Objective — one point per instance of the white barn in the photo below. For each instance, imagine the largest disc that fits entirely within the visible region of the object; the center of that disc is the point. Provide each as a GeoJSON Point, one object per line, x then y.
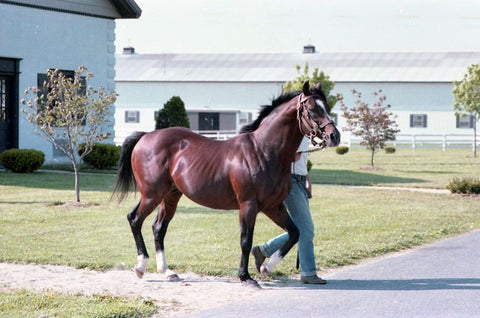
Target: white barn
{"type": "Point", "coordinates": [36, 35]}
{"type": "Point", "coordinates": [223, 91]}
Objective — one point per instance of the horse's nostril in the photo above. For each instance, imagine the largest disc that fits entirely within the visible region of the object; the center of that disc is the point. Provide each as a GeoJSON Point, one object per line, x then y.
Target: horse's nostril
{"type": "Point", "coordinates": [335, 137]}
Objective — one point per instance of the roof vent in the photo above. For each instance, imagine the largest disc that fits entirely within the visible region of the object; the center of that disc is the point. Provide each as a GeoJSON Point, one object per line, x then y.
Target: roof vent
{"type": "Point", "coordinates": [129, 50]}
{"type": "Point", "coordinates": [309, 48]}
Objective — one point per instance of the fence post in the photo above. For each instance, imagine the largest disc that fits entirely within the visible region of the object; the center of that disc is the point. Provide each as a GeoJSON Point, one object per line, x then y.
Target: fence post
{"type": "Point", "coordinates": [444, 144]}
{"type": "Point", "coordinates": [413, 142]}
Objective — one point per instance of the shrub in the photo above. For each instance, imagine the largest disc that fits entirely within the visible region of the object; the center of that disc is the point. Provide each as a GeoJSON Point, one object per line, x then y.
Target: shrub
{"type": "Point", "coordinates": [22, 160]}
{"type": "Point", "coordinates": [172, 114]}
{"type": "Point", "coordinates": [464, 186]}
{"type": "Point", "coordinates": [309, 165]}
{"type": "Point", "coordinates": [390, 149]}
{"type": "Point", "coordinates": [341, 150]}
{"type": "Point", "coordinates": [102, 156]}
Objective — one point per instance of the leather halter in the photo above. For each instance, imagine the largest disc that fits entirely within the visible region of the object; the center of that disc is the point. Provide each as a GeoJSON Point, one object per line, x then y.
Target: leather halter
{"type": "Point", "coordinates": [307, 125]}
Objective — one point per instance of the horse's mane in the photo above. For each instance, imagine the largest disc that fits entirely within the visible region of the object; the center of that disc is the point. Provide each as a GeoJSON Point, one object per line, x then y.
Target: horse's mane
{"type": "Point", "coordinates": [268, 109]}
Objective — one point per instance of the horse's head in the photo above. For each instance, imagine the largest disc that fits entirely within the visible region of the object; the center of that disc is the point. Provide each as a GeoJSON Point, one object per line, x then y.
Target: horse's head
{"type": "Point", "coordinates": [313, 117]}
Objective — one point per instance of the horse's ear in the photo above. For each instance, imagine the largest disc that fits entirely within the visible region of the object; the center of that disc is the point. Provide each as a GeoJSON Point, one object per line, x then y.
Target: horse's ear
{"type": "Point", "coordinates": [306, 88]}
{"type": "Point", "coordinates": [318, 86]}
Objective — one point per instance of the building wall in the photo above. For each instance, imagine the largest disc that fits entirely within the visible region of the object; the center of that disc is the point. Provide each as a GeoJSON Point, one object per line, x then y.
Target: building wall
{"type": "Point", "coordinates": [433, 99]}
{"type": "Point", "coordinates": [148, 97]}
{"type": "Point", "coordinates": [45, 39]}
{"type": "Point", "coordinates": [428, 96]}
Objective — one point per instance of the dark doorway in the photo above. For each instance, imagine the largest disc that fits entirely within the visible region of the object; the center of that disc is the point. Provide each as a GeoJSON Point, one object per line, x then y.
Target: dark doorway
{"type": "Point", "coordinates": [208, 121]}
{"type": "Point", "coordinates": [8, 103]}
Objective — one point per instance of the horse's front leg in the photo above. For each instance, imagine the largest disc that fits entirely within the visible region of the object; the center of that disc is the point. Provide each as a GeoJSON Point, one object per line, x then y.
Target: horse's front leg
{"type": "Point", "coordinates": [248, 215]}
{"type": "Point", "coordinates": [281, 218]}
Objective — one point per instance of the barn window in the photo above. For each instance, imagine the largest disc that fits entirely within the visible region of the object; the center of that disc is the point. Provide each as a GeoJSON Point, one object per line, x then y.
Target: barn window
{"type": "Point", "coordinates": [208, 121]}
{"type": "Point", "coordinates": [132, 116]}
{"type": "Point", "coordinates": [418, 120]}
{"type": "Point", "coordinates": [465, 121]}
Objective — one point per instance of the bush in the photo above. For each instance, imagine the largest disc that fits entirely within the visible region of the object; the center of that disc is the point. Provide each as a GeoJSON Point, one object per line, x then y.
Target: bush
{"type": "Point", "coordinates": [309, 165]}
{"type": "Point", "coordinates": [464, 186]}
{"type": "Point", "coordinates": [22, 160]}
{"type": "Point", "coordinates": [102, 156]}
{"type": "Point", "coordinates": [390, 149]}
{"type": "Point", "coordinates": [172, 114]}
{"type": "Point", "coordinates": [341, 150]}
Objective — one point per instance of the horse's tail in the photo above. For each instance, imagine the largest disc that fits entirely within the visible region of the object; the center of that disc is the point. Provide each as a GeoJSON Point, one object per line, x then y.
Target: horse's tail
{"type": "Point", "coordinates": [125, 178]}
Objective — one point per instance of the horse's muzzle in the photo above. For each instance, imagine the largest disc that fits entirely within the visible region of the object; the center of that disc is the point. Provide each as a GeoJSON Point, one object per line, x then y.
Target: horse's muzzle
{"type": "Point", "coordinates": [329, 138]}
{"type": "Point", "coordinates": [334, 138]}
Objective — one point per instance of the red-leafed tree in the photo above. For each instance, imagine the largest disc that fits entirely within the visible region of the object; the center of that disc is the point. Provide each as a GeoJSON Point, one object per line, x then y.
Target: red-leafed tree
{"type": "Point", "coordinates": [374, 124]}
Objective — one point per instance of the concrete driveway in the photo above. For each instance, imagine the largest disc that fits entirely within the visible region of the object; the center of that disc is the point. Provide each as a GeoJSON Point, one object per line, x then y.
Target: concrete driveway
{"type": "Point", "coordinates": [437, 280]}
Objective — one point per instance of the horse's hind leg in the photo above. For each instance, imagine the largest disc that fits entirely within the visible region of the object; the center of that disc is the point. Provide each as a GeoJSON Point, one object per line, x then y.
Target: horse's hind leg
{"type": "Point", "coordinates": [281, 218]}
{"type": "Point", "coordinates": [136, 218]}
{"type": "Point", "coordinates": [166, 211]}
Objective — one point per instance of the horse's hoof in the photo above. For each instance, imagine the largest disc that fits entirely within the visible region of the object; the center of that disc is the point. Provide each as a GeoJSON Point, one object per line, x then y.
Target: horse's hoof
{"type": "Point", "coordinates": [138, 273]}
{"type": "Point", "coordinates": [250, 283]}
{"type": "Point", "coordinates": [264, 270]}
{"type": "Point", "coordinates": [173, 278]}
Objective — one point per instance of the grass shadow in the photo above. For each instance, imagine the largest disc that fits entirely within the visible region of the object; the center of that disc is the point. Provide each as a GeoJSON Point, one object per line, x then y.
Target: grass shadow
{"type": "Point", "coordinates": [104, 182]}
{"type": "Point", "coordinates": [349, 177]}
{"type": "Point", "coordinates": [58, 181]}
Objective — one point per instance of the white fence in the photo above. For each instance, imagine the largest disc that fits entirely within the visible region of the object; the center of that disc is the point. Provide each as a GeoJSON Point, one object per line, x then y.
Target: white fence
{"type": "Point", "coordinates": [412, 141]}
{"type": "Point", "coordinates": [415, 141]}
{"type": "Point", "coordinates": [217, 134]}
{"type": "Point", "coordinates": [214, 134]}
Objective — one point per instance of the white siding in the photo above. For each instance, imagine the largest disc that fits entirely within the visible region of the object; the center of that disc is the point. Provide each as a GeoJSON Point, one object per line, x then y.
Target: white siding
{"type": "Point", "coordinates": [413, 82]}
{"type": "Point", "coordinates": [148, 97]}
{"type": "Point", "coordinates": [45, 39]}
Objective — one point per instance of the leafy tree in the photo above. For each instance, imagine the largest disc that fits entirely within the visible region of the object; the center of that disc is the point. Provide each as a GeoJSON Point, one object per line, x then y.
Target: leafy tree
{"type": "Point", "coordinates": [467, 98]}
{"type": "Point", "coordinates": [316, 77]}
{"type": "Point", "coordinates": [68, 113]}
{"type": "Point", "coordinates": [172, 114]}
{"type": "Point", "coordinates": [373, 124]}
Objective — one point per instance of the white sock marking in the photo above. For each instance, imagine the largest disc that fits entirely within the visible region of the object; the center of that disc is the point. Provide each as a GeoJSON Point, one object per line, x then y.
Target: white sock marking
{"type": "Point", "coordinates": [162, 266]}
{"type": "Point", "coordinates": [267, 267]}
{"type": "Point", "coordinates": [142, 264]}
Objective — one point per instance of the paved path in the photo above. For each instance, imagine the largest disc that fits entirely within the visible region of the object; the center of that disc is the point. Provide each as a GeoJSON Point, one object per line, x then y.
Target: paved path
{"type": "Point", "coordinates": [437, 280]}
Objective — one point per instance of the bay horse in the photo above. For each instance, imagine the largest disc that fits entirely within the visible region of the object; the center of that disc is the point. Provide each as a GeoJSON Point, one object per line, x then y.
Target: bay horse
{"type": "Point", "coordinates": [249, 172]}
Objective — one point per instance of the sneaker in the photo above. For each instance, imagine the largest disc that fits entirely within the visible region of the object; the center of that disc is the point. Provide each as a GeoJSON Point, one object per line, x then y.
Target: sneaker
{"type": "Point", "coordinates": [313, 279]}
{"type": "Point", "coordinates": [259, 257]}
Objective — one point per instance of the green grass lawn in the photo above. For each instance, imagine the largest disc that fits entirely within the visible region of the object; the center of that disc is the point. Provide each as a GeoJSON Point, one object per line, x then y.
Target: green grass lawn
{"type": "Point", "coordinates": [366, 224]}
{"type": "Point", "coordinates": [26, 303]}
{"type": "Point", "coordinates": [423, 168]}
{"type": "Point", "coordinates": [351, 223]}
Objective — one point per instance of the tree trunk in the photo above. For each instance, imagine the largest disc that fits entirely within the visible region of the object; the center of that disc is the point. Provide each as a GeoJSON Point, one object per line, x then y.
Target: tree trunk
{"type": "Point", "coordinates": [76, 168]}
{"type": "Point", "coordinates": [475, 138]}
{"type": "Point", "coordinates": [371, 160]}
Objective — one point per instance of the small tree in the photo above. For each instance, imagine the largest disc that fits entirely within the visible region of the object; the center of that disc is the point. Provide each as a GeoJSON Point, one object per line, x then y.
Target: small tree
{"type": "Point", "coordinates": [316, 77]}
{"type": "Point", "coordinates": [68, 113]}
{"type": "Point", "coordinates": [466, 95]}
{"type": "Point", "coordinates": [373, 124]}
{"type": "Point", "coordinates": [172, 114]}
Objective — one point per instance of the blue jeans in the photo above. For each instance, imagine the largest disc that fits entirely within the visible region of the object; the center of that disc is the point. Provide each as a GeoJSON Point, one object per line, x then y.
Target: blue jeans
{"type": "Point", "coordinates": [299, 210]}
